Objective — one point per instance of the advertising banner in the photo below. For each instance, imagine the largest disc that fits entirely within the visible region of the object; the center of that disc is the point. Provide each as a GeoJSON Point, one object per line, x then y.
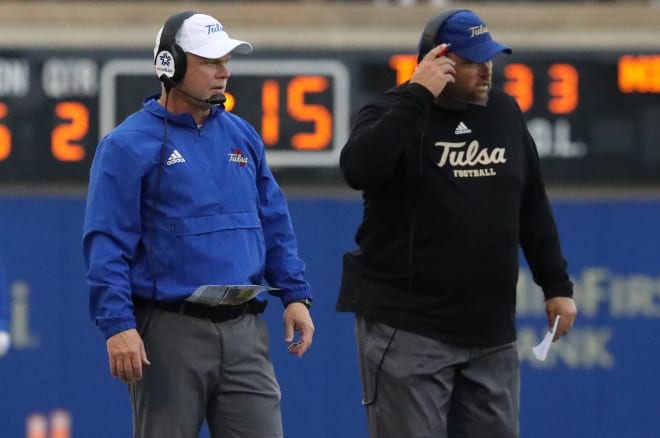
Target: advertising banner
{"type": "Point", "coordinates": [598, 381]}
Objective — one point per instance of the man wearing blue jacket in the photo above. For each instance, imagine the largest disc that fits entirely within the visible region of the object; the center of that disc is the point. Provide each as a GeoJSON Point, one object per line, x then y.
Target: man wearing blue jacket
{"type": "Point", "coordinates": [180, 197]}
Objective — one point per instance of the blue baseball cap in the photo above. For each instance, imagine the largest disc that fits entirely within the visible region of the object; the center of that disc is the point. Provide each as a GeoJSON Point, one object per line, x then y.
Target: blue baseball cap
{"type": "Point", "coordinates": [469, 37]}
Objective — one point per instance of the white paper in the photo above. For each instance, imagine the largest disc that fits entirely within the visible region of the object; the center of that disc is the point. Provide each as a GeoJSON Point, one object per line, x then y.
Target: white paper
{"type": "Point", "coordinates": [5, 342]}
{"type": "Point", "coordinates": [226, 294]}
{"type": "Point", "coordinates": [541, 350]}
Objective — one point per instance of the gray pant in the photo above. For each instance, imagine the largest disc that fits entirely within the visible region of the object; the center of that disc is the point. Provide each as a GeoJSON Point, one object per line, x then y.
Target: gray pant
{"type": "Point", "coordinates": [431, 389]}
{"type": "Point", "coordinates": [201, 370]}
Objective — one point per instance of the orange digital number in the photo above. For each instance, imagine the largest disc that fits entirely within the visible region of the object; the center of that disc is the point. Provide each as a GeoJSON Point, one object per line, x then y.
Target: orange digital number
{"type": "Point", "coordinates": [5, 134]}
{"type": "Point", "coordinates": [404, 66]}
{"type": "Point", "coordinates": [270, 112]}
{"type": "Point", "coordinates": [230, 102]}
{"type": "Point", "coordinates": [298, 88]}
{"type": "Point", "coordinates": [76, 126]}
{"type": "Point", "coordinates": [519, 84]}
{"type": "Point", "coordinates": [563, 88]}
{"type": "Point", "coordinates": [639, 74]}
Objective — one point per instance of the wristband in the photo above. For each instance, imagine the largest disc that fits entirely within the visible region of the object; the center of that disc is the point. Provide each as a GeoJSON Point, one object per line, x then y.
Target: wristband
{"type": "Point", "coordinates": [306, 301]}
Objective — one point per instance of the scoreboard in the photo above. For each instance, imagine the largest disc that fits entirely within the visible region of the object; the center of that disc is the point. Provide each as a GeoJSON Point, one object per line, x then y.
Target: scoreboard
{"type": "Point", "coordinates": [595, 115]}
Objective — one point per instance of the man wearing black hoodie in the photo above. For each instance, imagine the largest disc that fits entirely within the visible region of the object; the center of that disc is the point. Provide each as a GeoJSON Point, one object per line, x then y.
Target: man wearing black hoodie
{"type": "Point", "coordinates": [452, 188]}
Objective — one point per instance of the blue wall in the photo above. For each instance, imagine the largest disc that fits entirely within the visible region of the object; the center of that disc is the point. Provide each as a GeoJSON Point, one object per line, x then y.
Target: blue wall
{"type": "Point", "coordinates": [598, 381]}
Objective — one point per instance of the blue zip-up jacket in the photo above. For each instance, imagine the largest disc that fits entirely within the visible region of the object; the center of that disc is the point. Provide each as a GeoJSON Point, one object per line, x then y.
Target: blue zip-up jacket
{"type": "Point", "coordinates": [203, 209]}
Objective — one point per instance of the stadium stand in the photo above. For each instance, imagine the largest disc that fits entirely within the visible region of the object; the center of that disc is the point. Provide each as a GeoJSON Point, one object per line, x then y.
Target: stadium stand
{"type": "Point", "coordinates": [330, 24]}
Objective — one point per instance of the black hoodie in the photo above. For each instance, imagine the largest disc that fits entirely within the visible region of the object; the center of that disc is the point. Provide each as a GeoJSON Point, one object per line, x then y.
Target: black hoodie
{"type": "Point", "coordinates": [449, 196]}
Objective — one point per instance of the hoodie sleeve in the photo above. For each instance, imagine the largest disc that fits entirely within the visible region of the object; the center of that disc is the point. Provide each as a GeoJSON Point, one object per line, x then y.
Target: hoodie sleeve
{"type": "Point", "coordinates": [284, 268]}
{"type": "Point", "coordinates": [112, 230]}
{"type": "Point", "coordinates": [539, 237]}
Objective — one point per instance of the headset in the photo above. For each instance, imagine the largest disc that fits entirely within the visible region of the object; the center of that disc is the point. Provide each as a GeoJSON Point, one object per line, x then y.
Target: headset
{"type": "Point", "coordinates": [167, 46]}
{"type": "Point", "coordinates": [170, 59]}
{"type": "Point", "coordinates": [427, 42]}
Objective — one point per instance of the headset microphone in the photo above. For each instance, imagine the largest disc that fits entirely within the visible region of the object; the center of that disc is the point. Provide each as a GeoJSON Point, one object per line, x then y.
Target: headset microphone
{"type": "Point", "coordinates": [215, 100]}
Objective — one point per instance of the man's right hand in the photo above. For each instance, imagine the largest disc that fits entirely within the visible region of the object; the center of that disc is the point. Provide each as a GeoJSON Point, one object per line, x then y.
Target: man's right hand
{"type": "Point", "coordinates": [435, 70]}
{"type": "Point", "coordinates": [127, 355]}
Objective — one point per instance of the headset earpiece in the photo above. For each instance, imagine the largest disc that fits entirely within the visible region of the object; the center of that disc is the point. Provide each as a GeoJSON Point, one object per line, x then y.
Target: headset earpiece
{"type": "Point", "coordinates": [427, 42]}
{"type": "Point", "coordinates": [170, 58]}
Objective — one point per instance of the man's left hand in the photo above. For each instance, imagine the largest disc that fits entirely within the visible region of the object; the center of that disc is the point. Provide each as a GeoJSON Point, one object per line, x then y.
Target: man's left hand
{"type": "Point", "coordinates": [566, 309]}
{"type": "Point", "coordinates": [298, 319]}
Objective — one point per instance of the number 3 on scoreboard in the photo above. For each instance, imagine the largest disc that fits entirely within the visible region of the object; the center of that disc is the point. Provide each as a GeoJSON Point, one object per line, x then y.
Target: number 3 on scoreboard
{"type": "Point", "coordinates": [562, 89]}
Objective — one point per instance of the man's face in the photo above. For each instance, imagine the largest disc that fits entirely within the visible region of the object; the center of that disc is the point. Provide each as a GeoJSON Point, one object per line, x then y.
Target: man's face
{"type": "Point", "coordinates": [205, 77]}
{"type": "Point", "coordinates": [473, 81]}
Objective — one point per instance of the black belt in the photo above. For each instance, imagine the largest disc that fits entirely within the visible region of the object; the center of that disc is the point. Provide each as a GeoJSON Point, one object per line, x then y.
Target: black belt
{"type": "Point", "coordinates": [215, 313]}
